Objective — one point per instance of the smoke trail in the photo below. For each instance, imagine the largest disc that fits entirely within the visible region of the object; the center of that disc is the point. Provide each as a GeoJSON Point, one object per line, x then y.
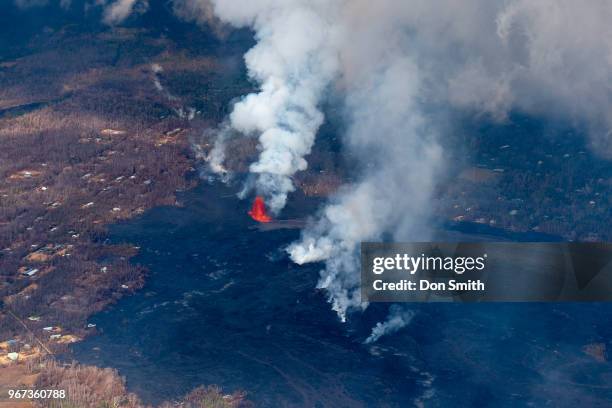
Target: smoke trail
{"type": "Point", "coordinates": [216, 157]}
{"type": "Point", "coordinates": [157, 69]}
{"type": "Point", "coordinates": [398, 318]}
{"type": "Point", "coordinates": [392, 138]}
{"type": "Point", "coordinates": [120, 10]}
{"type": "Point", "coordinates": [183, 112]}
{"type": "Point", "coordinates": [294, 61]}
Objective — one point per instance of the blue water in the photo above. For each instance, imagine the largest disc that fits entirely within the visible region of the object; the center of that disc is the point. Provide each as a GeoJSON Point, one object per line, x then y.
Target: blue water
{"type": "Point", "coordinates": [223, 305]}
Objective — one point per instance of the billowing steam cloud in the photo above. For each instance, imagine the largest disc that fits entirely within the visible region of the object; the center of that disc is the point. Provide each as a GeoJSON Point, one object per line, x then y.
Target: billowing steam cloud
{"type": "Point", "coordinates": [294, 61]}
{"type": "Point", "coordinates": [398, 318]}
{"type": "Point", "coordinates": [390, 136]}
{"type": "Point", "coordinates": [119, 10]}
{"type": "Point", "coordinates": [399, 59]}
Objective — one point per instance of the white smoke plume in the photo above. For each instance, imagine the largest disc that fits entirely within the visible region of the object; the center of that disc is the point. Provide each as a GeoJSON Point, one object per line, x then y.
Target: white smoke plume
{"type": "Point", "coordinates": [215, 158]}
{"type": "Point", "coordinates": [482, 56]}
{"type": "Point", "coordinates": [184, 112]}
{"type": "Point", "coordinates": [118, 11]}
{"type": "Point", "coordinates": [294, 61]}
{"type": "Point", "coordinates": [399, 318]}
{"type": "Point", "coordinates": [391, 138]}
{"type": "Point", "coordinates": [157, 69]}
{"type": "Point", "coordinates": [392, 62]}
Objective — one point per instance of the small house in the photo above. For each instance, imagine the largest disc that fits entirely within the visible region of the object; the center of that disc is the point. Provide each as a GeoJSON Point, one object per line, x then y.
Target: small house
{"type": "Point", "coordinates": [30, 272]}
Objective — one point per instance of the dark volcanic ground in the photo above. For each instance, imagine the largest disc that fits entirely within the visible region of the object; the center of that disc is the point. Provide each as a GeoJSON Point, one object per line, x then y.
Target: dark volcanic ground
{"type": "Point", "coordinates": [223, 305]}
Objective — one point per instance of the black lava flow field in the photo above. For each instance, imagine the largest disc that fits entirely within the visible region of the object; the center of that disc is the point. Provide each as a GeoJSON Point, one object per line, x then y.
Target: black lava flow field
{"type": "Point", "coordinates": [223, 305]}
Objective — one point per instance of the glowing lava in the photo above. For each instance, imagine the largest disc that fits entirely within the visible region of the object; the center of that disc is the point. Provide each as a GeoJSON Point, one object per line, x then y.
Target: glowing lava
{"type": "Point", "coordinates": [258, 211]}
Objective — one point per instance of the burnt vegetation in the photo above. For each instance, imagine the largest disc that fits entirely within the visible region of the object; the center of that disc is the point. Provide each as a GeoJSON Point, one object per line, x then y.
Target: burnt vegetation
{"type": "Point", "coordinates": [88, 139]}
{"type": "Point", "coordinates": [529, 175]}
{"type": "Point", "coordinates": [93, 387]}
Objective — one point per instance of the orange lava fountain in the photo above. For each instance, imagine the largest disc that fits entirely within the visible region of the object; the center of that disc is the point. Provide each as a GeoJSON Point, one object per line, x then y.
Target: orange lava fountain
{"type": "Point", "coordinates": [258, 211]}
